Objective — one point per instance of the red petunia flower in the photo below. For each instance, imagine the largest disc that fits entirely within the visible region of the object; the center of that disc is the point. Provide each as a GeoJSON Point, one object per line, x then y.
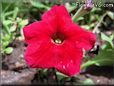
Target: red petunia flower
{"type": "Point", "coordinates": [57, 42]}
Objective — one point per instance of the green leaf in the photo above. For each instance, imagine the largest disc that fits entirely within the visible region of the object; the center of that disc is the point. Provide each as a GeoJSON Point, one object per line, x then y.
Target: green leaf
{"type": "Point", "coordinates": [69, 7]}
{"type": "Point", "coordinates": [7, 22]}
{"type": "Point", "coordinates": [7, 7]}
{"type": "Point", "coordinates": [88, 82]}
{"type": "Point", "coordinates": [23, 22]}
{"type": "Point", "coordinates": [86, 27]}
{"type": "Point", "coordinates": [110, 14]}
{"type": "Point", "coordinates": [4, 44]}
{"type": "Point", "coordinates": [6, 37]}
{"type": "Point", "coordinates": [79, 19]}
{"type": "Point", "coordinates": [8, 13]}
{"type": "Point", "coordinates": [8, 50]}
{"type": "Point", "coordinates": [13, 28]}
{"type": "Point", "coordinates": [105, 57]}
{"type": "Point", "coordinates": [39, 4]}
{"type": "Point", "coordinates": [108, 39]}
{"type": "Point", "coordinates": [16, 10]}
{"type": "Point", "coordinates": [60, 76]}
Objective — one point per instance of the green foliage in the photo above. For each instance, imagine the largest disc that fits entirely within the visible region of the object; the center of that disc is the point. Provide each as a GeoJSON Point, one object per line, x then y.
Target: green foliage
{"type": "Point", "coordinates": [39, 5]}
{"type": "Point", "coordinates": [108, 39]}
{"type": "Point", "coordinates": [90, 21]}
{"type": "Point", "coordinates": [105, 57]}
{"type": "Point", "coordinates": [110, 14]}
{"type": "Point", "coordinates": [8, 50]}
{"type": "Point", "coordinates": [60, 76]}
{"type": "Point", "coordinates": [12, 24]}
{"type": "Point", "coordinates": [88, 82]}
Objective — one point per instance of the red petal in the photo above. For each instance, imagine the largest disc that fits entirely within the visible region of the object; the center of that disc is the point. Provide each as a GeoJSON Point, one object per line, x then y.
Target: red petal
{"type": "Point", "coordinates": [37, 31]}
{"type": "Point", "coordinates": [57, 14]}
{"type": "Point", "coordinates": [69, 59]}
{"type": "Point", "coordinates": [82, 38]}
{"type": "Point", "coordinates": [65, 58]}
{"type": "Point", "coordinates": [38, 54]}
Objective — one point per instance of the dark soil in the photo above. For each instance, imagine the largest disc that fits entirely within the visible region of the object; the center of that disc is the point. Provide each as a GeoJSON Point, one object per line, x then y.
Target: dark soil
{"type": "Point", "coordinates": [15, 71]}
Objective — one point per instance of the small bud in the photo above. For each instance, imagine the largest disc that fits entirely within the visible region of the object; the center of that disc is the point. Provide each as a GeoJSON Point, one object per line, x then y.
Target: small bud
{"type": "Point", "coordinates": [88, 5]}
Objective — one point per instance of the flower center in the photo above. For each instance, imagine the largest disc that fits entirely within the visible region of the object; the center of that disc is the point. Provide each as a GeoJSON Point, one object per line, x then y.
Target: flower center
{"type": "Point", "coordinates": [58, 38]}
{"type": "Point", "coordinates": [58, 41]}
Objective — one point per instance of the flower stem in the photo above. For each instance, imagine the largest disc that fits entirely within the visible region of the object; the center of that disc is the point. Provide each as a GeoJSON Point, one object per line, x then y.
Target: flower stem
{"type": "Point", "coordinates": [77, 13]}
{"type": "Point", "coordinates": [81, 12]}
{"type": "Point", "coordinates": [95, 30]}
